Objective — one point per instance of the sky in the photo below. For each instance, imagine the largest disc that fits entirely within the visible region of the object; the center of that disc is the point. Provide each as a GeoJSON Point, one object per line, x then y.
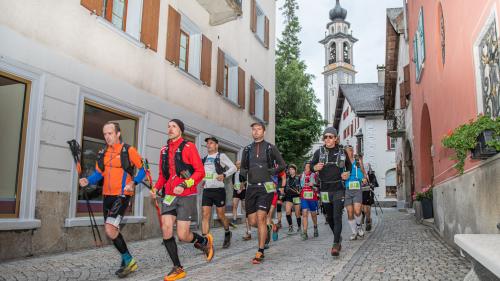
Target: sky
{"type": "Point", "coordinates": [368, 20]}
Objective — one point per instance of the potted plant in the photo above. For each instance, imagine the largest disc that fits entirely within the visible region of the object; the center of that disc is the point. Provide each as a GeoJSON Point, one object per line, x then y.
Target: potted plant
{"type": "Point", "coordinates": [481, 137]}
{"type": "Point", "coordinates": [425, 199]}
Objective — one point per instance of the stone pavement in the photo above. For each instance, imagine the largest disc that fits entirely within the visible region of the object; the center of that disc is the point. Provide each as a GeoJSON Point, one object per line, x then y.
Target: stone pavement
{"type": "Point", "coordinates": [397, 249]}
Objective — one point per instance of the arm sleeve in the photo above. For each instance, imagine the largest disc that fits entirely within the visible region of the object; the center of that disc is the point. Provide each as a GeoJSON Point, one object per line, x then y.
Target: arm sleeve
{"type": "Point", "coordinates": [228, 163]}
{"type": "Point", "coordinates": [96, 176]}
{"type": "Point", "coordinates": [244, 164]}
{"type": "Point", "coordinates": [136, 159]}
{"type": "Point", "coordinates": [161, 179]}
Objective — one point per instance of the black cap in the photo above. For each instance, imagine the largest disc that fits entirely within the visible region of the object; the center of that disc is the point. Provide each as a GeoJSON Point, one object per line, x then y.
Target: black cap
{"type": "Point", "coordinates": [179, 123]}
{"type": "Point", "coordinates": [260, 124]}
{"type": "Point", "coordinates": [214, 139]}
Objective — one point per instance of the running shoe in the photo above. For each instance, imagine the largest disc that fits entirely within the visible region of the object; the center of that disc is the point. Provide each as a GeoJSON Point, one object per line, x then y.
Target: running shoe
{"type": "Point", "coordinates": [227, 239]}
{"type": "Point", "coordinates": [208, 248]}
{"type": "Point", "coordinates": [369, 225]}
{"type": "Point", "coordinates": [258, 259]}
{"type": "Point", "coordinates": [304, 236]}
{"type": "Point", "coordinates": [127, 269]}
{"type": "Point", "coordinates": [275, 232]}
{"type": "Point", "coordinates": [316, 233]}
{"type": "Point", "coordinates": [353, 236]}
{"type": "Point", "coordinates": [247, 237]}
{"type": "Point", "coordinates": [290, 229]}
{"type": "Point", "coordinates": [176, 273]}
{"type": "Point", "coordinates": [233, 224]}
{"type": "Point", "coordinates": [122, 265]}
{"type": "Point", "coordinates": [361, 233]}
{"type": "Point", "coordinates": [336, 249]}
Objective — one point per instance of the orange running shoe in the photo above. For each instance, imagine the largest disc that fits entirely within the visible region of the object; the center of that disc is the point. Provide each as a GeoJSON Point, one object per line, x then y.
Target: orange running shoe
{"type": "Point", "coordinates": [176, 273]}
{"type": "Point", "coordinates": [259, 257]}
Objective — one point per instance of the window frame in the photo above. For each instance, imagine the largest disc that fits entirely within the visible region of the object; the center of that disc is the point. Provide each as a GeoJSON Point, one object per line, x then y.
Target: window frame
{"type": "Point", "coordinates": [26, 215]}
{"type": "Point", "coordinates": [108, 13]}
{"type": "Point", "coordinates": [141, 128]}
{"type": "Point", "coordinates": [259, 14]}
{"type": "Point", "coordinates": [257, 85]}
{"type": "Point", "coordinates": [186, 62]}
{"type": "Point", "coordinates": [22, 144]}
{"type": "Point", "coordinates": [114, 111]}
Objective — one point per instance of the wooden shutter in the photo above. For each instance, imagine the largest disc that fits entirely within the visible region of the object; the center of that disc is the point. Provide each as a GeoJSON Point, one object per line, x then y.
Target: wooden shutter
{"type": "Point", "coordinates": [402, 95]}
{"type": "Point", "coordinates": [252, 96]}
{"type": "Point", "coordinates": [173, 36]}
{"type": "Point", "coordinates": [95, 6]}
{"type": "Point", "coordinates": [219, 86]}
{"type": "Point", "coordinates": [266, 105]}
{"type": "Point", "coordinates": [266, 32]}
{"type": "Point", "coordinates": [253, 16]}
{"type": "Point", "coordinates": [206, 60]}
{"type": "Point", "coordinates": [150, 23]}
{"type": "Point", "coordinates": [406, 79]}
{"type": "Point", "coordinates": [241, 87]}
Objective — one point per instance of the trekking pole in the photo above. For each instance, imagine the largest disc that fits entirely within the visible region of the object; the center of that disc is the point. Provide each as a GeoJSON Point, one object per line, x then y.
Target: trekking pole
{"type": "Point", "coordinates": [150, 187]}
{"type": "Point", "coordinates": [75, 149]}
{"type": "Point", "coordinates": [377, 203]}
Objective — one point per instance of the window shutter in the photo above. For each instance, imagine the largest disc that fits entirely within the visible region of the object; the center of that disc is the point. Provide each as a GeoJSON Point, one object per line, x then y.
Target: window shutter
{"type": "Point", "coordinates": [266, 32]}
{"type": "Point", "coordinates": [206, 60]}
{"type": "Point", "coordinates": [173, 36]}
{"type": "Point", "coordinates": [95, 6]}
{"type": "Point", "coordinates": [241, 88]}
{"type": "Point", "coordinates": [150, 23]}
{"type": "Point", "coordinates": [266, 105]}
{"type": "Point", "coordinates": [253, 16]}
{"type": "Point", "coordinates": [219, 87]}
{"type": "Point", "coordinates": [252, 96]}
{"type": "Point", "coordinates": [402, 95]}
{"type": "Point", "coordinates": [406, 71]}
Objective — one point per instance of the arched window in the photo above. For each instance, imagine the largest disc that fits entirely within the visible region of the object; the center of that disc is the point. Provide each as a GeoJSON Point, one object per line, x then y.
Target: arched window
{"type": "Point", "coordinates": [347, 58]}
{"type": "Point", "coordinates": [333, 53]}
{"type": "Point", "coordinates": [390, 183]}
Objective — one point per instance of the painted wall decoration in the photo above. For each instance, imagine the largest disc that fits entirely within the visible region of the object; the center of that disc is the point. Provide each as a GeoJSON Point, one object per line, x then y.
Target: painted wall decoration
{"type": "Point", "coordinates": [419, 46]}
{"type": "Point", "coordinates": [488, 60]}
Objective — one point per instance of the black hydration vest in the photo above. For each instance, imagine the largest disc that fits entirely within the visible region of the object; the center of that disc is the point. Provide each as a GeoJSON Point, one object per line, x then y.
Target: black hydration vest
{"type": "Point", "coordinates": [270, 161]}
{"type": "Point", "coordinates": [182, 169]}
{"type": "Point", "coordinates": [124, 159]}
{"type": "Point", "coordinates": [218, 167]}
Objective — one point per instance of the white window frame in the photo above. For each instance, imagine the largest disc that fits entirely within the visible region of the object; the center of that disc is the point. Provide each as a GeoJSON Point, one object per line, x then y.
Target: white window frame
{"type": "Point", "coordinates": [194, 58]}
{"type": "Point", "coordinates": [259, 101]}
{"type": "Point", "coordinates": [26, 218]}
{"type": "Point", "coordinates": [260, 28]}
{"type": "Point", "coordinates": [232, 83]}
{"type": "Point", "coordinates": [87, 94]}
{"type": "Point", "coordinates": [133, 24]}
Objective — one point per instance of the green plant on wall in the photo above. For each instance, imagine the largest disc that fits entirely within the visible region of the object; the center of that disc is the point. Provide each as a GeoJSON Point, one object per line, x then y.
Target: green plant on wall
{"type": "Point", "coordinates": [464, 138]}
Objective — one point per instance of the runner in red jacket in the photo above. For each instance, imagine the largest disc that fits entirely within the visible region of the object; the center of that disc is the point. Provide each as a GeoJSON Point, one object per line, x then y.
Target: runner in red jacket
{"type": "Point", "coordinates": [180, 171]}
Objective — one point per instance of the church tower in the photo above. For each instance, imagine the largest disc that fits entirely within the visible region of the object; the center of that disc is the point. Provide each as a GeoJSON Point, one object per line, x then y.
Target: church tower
{"type": "Point", "coordinates": [339, 66]}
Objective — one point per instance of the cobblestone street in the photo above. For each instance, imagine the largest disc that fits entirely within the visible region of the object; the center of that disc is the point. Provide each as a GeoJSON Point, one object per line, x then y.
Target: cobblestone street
{"type": "Point", "coordinates": [398, 249]}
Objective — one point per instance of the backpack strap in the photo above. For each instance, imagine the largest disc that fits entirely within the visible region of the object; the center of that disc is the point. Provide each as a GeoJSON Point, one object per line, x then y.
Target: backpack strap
{"type": "Point", "coordinates": [125, 160]}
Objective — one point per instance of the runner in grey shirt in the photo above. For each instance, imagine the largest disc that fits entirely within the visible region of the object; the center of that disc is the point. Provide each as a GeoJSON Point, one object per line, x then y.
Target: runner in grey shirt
{"type": "Point", "coordinates": [218, 167]}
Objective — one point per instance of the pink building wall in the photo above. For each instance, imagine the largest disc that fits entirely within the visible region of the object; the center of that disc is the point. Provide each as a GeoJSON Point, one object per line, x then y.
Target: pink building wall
{"type": "Point", "coordinates": [447, 90]}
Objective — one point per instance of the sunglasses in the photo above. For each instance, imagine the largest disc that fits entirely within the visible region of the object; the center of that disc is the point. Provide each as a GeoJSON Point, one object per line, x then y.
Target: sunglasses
{"type": "Point", "coordinates": [328, 137]}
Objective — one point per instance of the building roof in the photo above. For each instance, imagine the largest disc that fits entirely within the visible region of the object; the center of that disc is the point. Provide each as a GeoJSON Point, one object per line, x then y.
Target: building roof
{"type": "Point", "coordinates": [395, 16]}
{"type": "Point", "coordinates": [365, 98]}
{"type": "Point", "coordinates": [338, 13]}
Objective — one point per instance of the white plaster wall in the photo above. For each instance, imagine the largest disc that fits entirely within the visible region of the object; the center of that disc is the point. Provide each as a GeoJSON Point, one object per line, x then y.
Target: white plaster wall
{"type": "Point", "coordinates": [67, 28]}
{"type": "Point", "coordinates": [376, 152]}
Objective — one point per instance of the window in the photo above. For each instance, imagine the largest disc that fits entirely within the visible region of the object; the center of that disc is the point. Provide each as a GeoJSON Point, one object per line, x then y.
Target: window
{"type": "Point", "coordinates": [184, 51]}
{"type": "Point", "coordinates": [230, 79]}
{"type": "Point", "coordinates": [190, 48]}
{"type": "Point", "coordinates": [259, 23]}
{"type": "Point", "coordinates": [347, 58]}
{"type": "Point", "coordinates": [14, 105]}
{"type": "Point", "coordinates": [333, 53]}
{"type": "Point", "coordinates": [259, 101]}
{"type": "Point", "coordinates": [95, 116]}
{"type": "Point", "coordinates": [136, 20]}
{"type": "Point", "coordinates": [391, 143]}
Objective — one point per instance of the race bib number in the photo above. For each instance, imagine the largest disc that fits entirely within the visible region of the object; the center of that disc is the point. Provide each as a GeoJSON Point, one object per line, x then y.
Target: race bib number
{"type": "Point", "coordinates": [296, 200]}
{"type": "Point", "coordinates": [354, 185]}
{"type": "Point", "coordinates": [324, 197]}
{"type": "Point", "coordinates": [168, 200]}
{"type": "Point", "coordinates": [308, 195]}
{"type": "Point", "coordinates": [270, 188]}
{"type": "Point", "coordinates": [237, 186]}
{"type": "Point", "coordinates": [209, 176]}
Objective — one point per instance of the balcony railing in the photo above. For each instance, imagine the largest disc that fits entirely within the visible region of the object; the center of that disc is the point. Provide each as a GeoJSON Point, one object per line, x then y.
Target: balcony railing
{"type": "Point", "coordinates": [222, 11]}
{"type": "Point", "coordinates": [396, 126]}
